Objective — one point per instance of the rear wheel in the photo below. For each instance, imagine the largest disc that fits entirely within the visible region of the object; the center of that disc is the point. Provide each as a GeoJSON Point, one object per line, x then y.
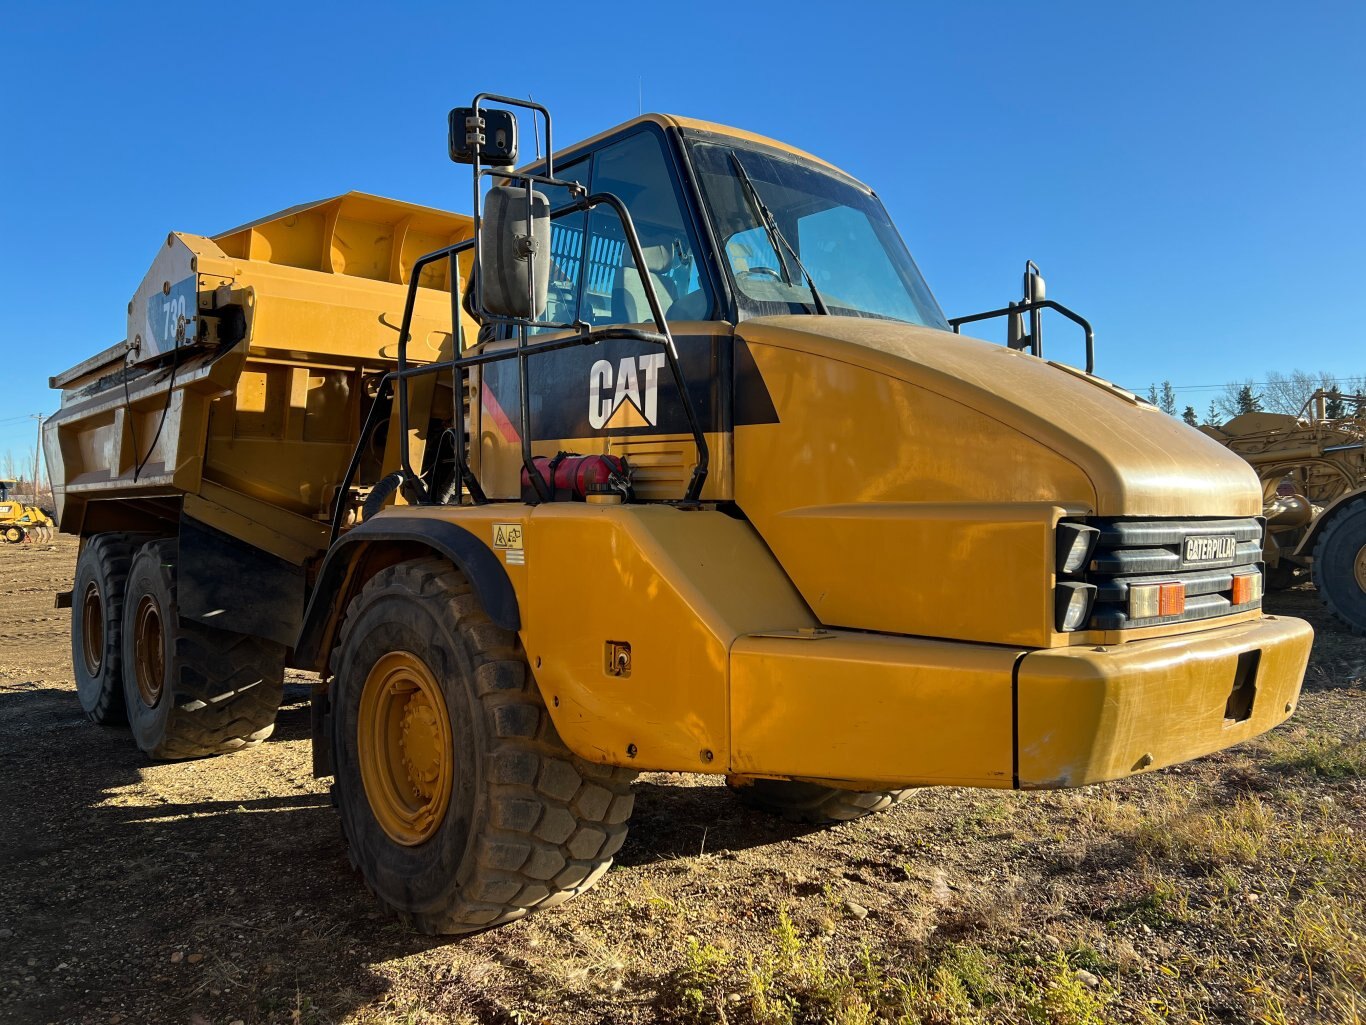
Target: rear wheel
{"type": "Point", "coordinates": [13, 534]}
{"type": "Point", "coordinates": [97, 624]}
{"type": "Point", "coordinates": [812, 803]}
{"type": "Point", "coordinates": [190, 690]}
{"type": "Point", "coordinates": [460, 805]}
{"type": "Point", "coordinates": [1339, 566]}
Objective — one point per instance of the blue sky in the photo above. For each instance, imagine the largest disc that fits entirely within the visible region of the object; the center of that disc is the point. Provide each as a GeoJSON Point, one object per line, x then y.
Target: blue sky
{"type": "Point", "coordinates": [1191, 177]}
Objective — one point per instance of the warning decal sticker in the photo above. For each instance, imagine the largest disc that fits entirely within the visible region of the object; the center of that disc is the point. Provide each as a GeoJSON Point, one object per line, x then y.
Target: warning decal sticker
{"type": "Point", "coordinates": [508, 538]}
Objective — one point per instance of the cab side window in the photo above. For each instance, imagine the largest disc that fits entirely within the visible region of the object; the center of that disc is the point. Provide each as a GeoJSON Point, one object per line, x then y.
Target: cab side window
{"type": "Point", "coordinates": [566, 233]}
{"type": "Point", "coordinates": [607, 287]}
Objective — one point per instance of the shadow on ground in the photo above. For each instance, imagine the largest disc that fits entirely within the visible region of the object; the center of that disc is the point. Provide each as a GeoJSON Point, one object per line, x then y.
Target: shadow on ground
{"type": "Point", "coordinates": [217, 888]}
{"type": "Point", "coordinates": [158, 908]}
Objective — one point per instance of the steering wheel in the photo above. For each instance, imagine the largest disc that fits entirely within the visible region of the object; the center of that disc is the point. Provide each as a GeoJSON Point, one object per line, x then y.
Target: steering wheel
{"type": "Point", "coordinates": [759, 272]}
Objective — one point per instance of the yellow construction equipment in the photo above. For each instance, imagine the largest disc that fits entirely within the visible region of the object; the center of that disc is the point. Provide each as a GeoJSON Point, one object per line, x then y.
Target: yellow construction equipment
{"type": "Point", "coordinates": [1313, 473]}
{"type": "Point", "coordinates": [19, 522]}
{"type": "Point", "coordinates": [666, 458]}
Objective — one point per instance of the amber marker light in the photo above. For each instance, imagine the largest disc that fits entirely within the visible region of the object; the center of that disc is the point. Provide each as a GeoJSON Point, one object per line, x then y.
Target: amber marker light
{"type": "Point", "coordinates": [1247, 587]}
{"type": "Point", "coordinates": [1149, 601]}
{"type": "Point", "coordinates": [1172, 600]}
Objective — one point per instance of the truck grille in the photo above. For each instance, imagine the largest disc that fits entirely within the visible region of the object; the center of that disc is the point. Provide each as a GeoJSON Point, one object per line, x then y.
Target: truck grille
{"type": "Point", "coordinates": [1131, 552]}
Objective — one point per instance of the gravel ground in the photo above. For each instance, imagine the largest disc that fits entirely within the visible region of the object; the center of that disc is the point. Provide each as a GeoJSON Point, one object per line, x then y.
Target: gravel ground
{"type": "Point", "coordinates": [217, 891]}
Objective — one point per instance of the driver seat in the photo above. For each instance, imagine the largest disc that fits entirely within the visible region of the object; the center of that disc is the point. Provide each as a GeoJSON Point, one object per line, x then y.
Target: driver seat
{"type": "Point", "coordinates": [629, 302]}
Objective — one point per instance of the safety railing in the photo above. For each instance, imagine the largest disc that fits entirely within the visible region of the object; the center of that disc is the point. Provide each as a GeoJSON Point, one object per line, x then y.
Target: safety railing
{"type": "Point", "coordinates": [397, 381]}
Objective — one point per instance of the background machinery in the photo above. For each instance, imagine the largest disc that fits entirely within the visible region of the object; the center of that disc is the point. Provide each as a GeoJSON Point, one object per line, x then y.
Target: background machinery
{"type": "Point", "coordinates": [1313, 473]}
{"type": "Point", "coordinates": [19, 522]}
{"type": "Point", "coordinates": [665, 458]}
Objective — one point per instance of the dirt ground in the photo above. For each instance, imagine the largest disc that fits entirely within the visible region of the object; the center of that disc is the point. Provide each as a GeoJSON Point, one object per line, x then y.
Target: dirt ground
{"type": "Point", "coordinates": [217, 891]}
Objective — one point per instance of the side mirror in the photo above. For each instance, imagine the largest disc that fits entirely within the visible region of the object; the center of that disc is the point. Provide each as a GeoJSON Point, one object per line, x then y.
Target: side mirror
{"type": "Point", "coordinates": [514, 252]}
{"type": "Point", "coordinates": [494, 131]}
{"type": "Point", "coordinates": [1016, 335]}
{"type": "Point", "coordinates": [1034, 291]}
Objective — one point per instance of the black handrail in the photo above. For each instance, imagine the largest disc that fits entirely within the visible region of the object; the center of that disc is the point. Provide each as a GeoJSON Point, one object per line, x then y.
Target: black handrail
{"type": "Point", "coordinates": [1042, 304]}
{"type": "Point", "coordinates": [524, 348]}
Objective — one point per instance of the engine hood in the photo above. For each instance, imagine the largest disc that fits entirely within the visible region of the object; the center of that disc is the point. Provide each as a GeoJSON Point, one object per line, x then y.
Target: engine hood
{"type": "Point", "coordinates": [1139, 461]}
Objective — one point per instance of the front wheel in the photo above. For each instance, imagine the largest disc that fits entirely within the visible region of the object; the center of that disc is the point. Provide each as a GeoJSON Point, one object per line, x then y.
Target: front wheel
{"type": "Point", "coordinates": [811, 803]}
{"type": "Point", "coordinates": [13, 535]}
{"type": "Point", "coordinates": [460, 804]}
{"type": "Point", "coordinates": [1339, 566]}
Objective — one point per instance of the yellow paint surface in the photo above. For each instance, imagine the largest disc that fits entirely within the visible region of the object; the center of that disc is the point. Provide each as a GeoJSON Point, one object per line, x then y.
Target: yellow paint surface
{"type": "Point", "coordinates": [1087, 715]}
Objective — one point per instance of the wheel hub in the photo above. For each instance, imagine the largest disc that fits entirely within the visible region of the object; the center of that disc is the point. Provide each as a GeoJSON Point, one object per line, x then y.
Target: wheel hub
{"type": "Point", "coordinates": [421, 741]}
{"type": "Point", "coordinates": [92, 628]}
{"type": "Point", "coordinates": [404, 748]}
{"type": "Point", "coordinates": [149, 652]}
{"type": "Point", "coordinates": [1359, 567]}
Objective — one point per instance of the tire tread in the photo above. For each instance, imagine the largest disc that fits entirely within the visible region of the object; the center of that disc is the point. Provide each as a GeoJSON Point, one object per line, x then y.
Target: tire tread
{"type": "Point", "coordinates": [1351, 518]}
{"type": "Point", "coordinates": [533, 780]}
{"type": "Point", "coordinates": [810, 803]}
{"type": "Point", "coordinates": [112, 554]}
{"type": "Point", "coordinates": [226, 686]}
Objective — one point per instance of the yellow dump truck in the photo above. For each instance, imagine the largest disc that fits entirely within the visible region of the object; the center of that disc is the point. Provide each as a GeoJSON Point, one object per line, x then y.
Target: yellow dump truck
{"type": "Point", "coordinates": [665, 458]}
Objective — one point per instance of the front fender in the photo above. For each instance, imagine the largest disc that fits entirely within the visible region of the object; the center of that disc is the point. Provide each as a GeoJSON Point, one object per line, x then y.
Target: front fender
{"type": "Point", "coordinates": [338, 580]}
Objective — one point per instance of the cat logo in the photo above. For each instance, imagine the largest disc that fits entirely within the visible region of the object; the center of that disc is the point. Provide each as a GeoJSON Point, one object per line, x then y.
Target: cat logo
{"type": "Point", "coordinates": [627, 395]}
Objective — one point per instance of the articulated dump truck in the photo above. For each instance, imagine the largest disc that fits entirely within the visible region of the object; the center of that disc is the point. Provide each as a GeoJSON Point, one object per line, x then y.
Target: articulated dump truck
{"type": "Point", "coordinates": [665, 458]}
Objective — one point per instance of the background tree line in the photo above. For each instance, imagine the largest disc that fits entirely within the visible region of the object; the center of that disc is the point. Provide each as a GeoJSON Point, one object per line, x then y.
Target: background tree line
{"type": "Point", "coordinates": [1279, 393]}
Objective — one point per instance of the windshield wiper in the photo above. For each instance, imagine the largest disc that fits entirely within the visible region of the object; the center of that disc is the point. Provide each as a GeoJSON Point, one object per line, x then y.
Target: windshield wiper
{"type": "Point", "coordinates": [775, 235]}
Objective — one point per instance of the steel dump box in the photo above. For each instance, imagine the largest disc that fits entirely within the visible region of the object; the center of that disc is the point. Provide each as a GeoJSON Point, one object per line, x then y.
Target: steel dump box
{"type": "Point", "coordinates": [251, 360]}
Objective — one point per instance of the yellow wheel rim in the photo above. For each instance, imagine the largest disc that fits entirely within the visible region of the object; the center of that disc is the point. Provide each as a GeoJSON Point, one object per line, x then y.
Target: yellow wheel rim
{"type": "Point", "coordinates": [149, 653]}
{"type": "Point", "coordinates": [92, 628]}
{"type": "Point", "coordinates": [1359, 568]}
{"type": "Point", "coordinates": [404, 743]}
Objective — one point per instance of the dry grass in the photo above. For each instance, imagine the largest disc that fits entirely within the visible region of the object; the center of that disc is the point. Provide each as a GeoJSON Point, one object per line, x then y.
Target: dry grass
{"type": "Point", "coordinates": [1226, 891]}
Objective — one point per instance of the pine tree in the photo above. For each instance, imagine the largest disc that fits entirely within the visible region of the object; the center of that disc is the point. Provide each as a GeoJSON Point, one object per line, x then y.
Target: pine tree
{"type": "Point", "coordinates": [1335, 408]}
{"type": "Point", "coordinates": [1248, 400]}
{"type": "Point", "coordinates": [1190, 417]}
{"type": "Point", "coordinates": [1152, 395]}
{"type": "Point", "coordinates": [1168, 402]}
{"type": "Point", "coordinates": [1212, 414]}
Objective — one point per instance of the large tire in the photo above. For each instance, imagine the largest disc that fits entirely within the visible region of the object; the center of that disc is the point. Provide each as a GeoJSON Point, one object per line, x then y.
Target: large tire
{"type": "Point", "coordinates": [1339, 566]}
{"type": "Point", "coordinates": [97, 624]}
{"type": "Point", "coordinates": [190, 690]}
{"type": "Point", "coordinates": [13, 534]}
{"type": "Point", "coordinates": [507, 820]}
{"type": "Point", "coordinates": [811, 803]}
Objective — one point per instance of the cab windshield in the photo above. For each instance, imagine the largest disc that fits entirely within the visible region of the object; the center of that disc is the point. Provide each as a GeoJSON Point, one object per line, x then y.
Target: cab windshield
{"type": "Point", "coordinates": [785, 225]}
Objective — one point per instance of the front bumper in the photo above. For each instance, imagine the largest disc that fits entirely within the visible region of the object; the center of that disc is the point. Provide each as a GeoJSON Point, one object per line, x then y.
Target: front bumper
{"type": "Point", "coordinates": [1086, 715]}
{"type": "Point", "coordinates": [881, 710]}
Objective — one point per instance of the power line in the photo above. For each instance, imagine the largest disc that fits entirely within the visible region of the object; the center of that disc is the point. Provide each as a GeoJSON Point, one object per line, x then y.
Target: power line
{"type": "Point", "coordinates": [1221, 387]}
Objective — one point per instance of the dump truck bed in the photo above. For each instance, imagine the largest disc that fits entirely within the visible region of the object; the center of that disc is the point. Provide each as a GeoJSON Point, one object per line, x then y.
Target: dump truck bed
{"type": "Point", "coordinates": [251, 359]}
